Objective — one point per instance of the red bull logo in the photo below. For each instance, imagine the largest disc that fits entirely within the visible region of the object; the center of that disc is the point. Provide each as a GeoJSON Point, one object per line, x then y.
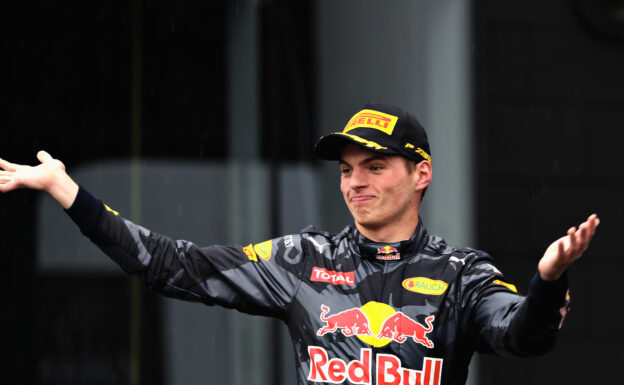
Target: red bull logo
{"type": "Point", "coordinates": [388, 253]}
{"type": "Point", "coordinates": [351, 322]}
{"type": "Point", "coordinates": [400, 327]}
{"type": "Point", "coordinates": [376, 324]}
{"type": "Point", "coordinates": [388, 369]}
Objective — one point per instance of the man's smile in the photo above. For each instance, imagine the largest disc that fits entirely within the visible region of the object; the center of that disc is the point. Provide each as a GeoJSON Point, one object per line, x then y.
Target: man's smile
{"type": "Point", "coordinates": [361, 199]}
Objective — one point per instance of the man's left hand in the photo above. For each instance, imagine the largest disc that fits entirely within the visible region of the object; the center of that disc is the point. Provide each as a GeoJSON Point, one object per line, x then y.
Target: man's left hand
{"type": "Point", "coordinates": [567, 249]}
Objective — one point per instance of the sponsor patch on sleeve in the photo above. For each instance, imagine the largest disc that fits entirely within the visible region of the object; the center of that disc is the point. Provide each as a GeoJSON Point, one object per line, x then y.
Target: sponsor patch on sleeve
{"type": "Point", "coordinates": [251, 254]}
{"type": "Point", "coordinates": [288, 241]}
{"type": "Point", "coordinates": [111, 210]}
{"type": "Point", "coordinates": [507, 285]}
{"type": "Point", "coordinates": [263, 249]}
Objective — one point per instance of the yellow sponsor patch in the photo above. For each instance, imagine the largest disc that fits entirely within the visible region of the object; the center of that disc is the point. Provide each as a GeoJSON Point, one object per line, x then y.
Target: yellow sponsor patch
{"type": "Point", "coordinates": [424, 285]}
{"type": "Point", "coordinates": [111, 210]}
{"type": "Point", "coordinates": [251, 254]}
{"type": "Point", "coordinates": [263, 249]}
{"type": "Point", "coordinates": [419, 150]}
{"type": "Point", "coordinates": [372, 119]}
{"type": "Point", "coordinates": [507, 285]}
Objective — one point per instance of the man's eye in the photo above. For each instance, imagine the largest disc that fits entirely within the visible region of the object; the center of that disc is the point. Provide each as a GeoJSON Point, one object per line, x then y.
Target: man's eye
{"type": "Point", "coordinates": [345, 171]}
{"type": "Point", "coordinates": [376, 168]}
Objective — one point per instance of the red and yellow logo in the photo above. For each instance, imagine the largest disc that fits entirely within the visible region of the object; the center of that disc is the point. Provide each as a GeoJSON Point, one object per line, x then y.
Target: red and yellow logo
{"type": "Point", "coordinates": [424, 285]}
{"type": "Point", "coordinates": [251, 254]}
{"type": "Point", "coordinates": [372, 119]}
{"type": "Point", "coordinates": [507, 285]}
{"type": "Point", "coordinates": [376, 324]}
{"type": "Point", "coordinates": [388, 253]}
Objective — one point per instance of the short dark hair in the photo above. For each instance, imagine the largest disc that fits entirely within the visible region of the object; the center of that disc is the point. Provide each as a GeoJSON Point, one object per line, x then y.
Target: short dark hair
{"type": "Point", "coordinates": [411, 166]}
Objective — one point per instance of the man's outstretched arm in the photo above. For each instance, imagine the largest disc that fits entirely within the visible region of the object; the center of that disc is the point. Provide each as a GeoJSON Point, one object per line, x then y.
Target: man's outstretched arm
{"type": "Point", "coordinates": [232, 276]}
{"type": "Point", "coordinates": [510, 324]}
{"type": "Point", "coordinates": [49, 176]}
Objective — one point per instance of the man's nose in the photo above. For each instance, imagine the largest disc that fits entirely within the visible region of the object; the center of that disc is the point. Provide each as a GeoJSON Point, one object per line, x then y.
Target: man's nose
{"type": "Point", "coordinates": [358, 178]}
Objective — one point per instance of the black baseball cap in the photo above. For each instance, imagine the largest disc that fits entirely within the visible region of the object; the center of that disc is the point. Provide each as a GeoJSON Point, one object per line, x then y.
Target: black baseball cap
{"type": "Point", "coordinates": [379, 128]}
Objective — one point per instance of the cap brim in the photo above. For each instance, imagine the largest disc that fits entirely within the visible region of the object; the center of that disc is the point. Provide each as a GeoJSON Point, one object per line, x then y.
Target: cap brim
{"type": "Point", "coordinates": [330, 147]}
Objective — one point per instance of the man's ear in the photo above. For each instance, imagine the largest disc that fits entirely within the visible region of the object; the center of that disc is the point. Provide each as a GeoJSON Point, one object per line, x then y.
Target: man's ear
{"type": "Point", "coordinates": [422, 175]}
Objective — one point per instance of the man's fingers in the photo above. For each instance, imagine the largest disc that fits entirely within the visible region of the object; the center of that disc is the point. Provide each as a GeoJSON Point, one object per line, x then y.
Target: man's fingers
{"type": "Point", "coordinates": [6, 185]}
{"type": "Point", "coordinates": [583, 231]}
{"type": "Point", "coordinates": [43, 156]}
{"type": "Point", "coordinates": [594, 221]}
{"type": "Point", "coordinates": [581, 237]}
{"type": "Point", "coordinates": [561, 247]}
{"type": "Point", "coordinates": [6, 165]}
{"type": "Point", "coordinates": [587, 230]}
{"type": "Point", "coordinates": [572, 235]}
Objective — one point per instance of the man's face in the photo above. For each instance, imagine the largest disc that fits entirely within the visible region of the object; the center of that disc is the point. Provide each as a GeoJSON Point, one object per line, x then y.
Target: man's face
{"type": "Point", "coordinates": [377, 188]}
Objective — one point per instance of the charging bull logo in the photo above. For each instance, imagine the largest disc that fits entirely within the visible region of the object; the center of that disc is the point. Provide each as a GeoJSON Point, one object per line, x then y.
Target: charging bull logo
{"type": "Point", "coordinates": [352, 321]}
{"type": "Point", "coordinates": [399, 327]}
{"type": "Point", "coordinates": [376, 324]}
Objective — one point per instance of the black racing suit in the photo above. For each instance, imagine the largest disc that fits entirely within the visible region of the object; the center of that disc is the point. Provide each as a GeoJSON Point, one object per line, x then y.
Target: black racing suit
{"type": "Point", "coordinates": [358, 312]}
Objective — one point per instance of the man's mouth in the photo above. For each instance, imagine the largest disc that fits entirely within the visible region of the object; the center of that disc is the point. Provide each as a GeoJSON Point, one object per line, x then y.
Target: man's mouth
{"type": "Point", "coordinates": [361, 199]}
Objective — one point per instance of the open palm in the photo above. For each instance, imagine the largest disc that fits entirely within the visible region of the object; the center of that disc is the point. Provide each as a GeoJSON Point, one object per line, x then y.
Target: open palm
{"type": "Point", "coordinates": [567, 249]}
{"type": "Point", "coordinates": [40, 177]}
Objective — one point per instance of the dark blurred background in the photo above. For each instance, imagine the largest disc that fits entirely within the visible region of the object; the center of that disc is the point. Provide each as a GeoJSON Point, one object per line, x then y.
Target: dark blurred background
{"type": "Point", "coordinates": [197, 119]}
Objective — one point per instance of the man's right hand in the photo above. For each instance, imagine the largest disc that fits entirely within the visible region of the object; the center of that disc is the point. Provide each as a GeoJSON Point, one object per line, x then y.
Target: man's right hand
{"type": "Point", "coordinates": [49, 176]}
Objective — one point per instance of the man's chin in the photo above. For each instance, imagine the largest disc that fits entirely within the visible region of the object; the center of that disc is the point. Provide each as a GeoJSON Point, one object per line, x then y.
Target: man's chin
{"type": "Point", "coordinates": [368, 223]}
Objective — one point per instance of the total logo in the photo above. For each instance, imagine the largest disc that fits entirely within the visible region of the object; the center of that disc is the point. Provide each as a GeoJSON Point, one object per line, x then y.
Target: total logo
{"type": "Point", "coordinates": [388, 369]}
{"type": "Point", "coordinates": [376, 324]}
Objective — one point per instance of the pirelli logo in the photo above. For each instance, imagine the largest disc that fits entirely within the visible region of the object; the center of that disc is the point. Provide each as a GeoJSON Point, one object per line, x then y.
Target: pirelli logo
{"type": "Point", "coordinates": [419, 150]}
{"type": "Point", "coordinates": [372, 119]}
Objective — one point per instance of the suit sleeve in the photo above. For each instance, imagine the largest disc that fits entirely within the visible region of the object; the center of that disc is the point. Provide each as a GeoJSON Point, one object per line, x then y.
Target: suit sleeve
{"type": "Point", "coordinates": [256, 279]}
{"type": "Point", "coordinates": [507, 323]}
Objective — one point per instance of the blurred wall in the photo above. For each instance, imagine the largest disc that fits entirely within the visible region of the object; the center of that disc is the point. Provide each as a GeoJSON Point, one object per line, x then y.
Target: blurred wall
{"type": "Point", "coordinates": [550, 112]}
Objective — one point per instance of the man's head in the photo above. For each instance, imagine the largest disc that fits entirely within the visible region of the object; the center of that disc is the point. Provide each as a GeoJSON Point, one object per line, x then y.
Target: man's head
{"type": "Point", "coordinates": [385, 167]}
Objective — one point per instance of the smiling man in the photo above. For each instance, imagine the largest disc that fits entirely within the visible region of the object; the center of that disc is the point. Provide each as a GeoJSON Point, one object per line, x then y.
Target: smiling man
{"type": "Point", "coordinates": [382, 302]}
{"type": "Point", "coordinates": [380, 191]}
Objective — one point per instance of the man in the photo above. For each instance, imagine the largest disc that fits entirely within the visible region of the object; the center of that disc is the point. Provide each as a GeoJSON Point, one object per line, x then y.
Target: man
{"type": "Point", "coordinates": [382, 302]}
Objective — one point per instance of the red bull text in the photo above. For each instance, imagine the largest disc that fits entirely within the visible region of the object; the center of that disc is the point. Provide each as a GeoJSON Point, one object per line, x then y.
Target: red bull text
{"type": "Point", "coordinates": [388, 369]}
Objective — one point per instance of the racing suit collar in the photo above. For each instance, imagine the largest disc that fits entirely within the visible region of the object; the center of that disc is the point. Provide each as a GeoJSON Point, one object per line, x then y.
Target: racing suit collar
{"type": "Point", "coordinates": [385, 252]}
